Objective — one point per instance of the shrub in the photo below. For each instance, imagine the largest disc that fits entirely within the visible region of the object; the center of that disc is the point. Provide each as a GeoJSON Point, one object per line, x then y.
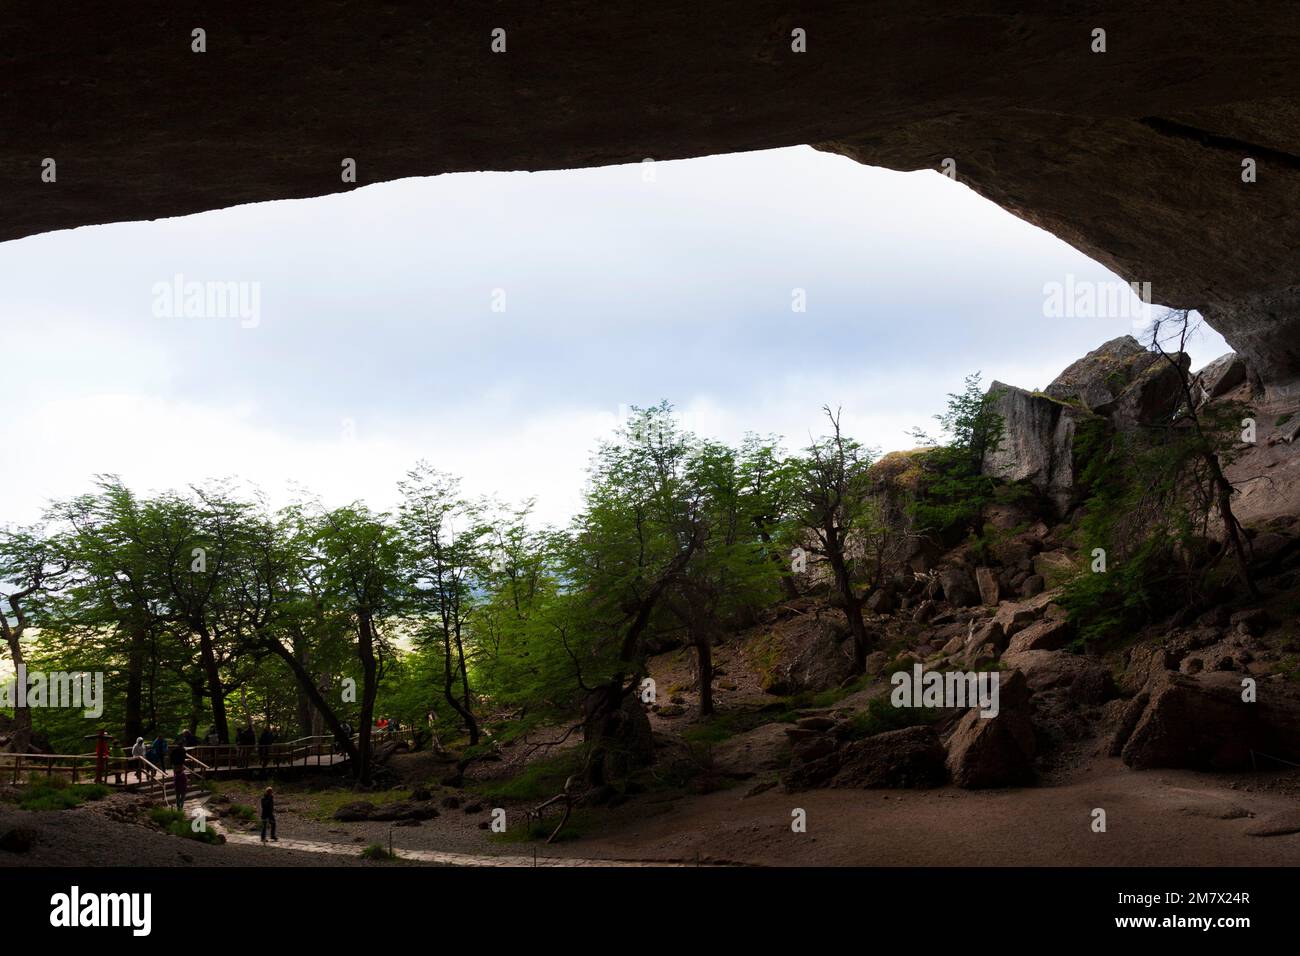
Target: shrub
{"type": "Point", "coordinates": [377, 851]}
{"type": "Point", "coordinates": [54, 793]}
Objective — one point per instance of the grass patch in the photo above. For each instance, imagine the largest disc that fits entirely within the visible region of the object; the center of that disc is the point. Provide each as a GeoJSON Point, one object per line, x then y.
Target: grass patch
{"type": "Point", "coordinates": [178, 824]}
{"type": "Point", "coordinates": [539, 830]}
{"type": "Point", "coordinates": [881, 716]}
{"type": "Point", "coordinates": [242, 811]}
{"type": "Point", "coordinates": [377, 851]}
{"type": "Point", "coordinates": [540, 779]}
{"type": "Point", "coordinates": [323, 803]}
{"type": "Point", "coordinates": [54, 793]}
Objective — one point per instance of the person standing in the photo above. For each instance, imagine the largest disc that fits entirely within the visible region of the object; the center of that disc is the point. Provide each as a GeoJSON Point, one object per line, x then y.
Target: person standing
{"type": "Point", "coordinates": [138, 752]}
{"type": "Point", "coordinates": [181, 783]}
{"type": "Point", "coordinates": [102, 741]}
{"type": "Point", "coordinates": [180, 780]}
{"type": "Point", "coordinates": [268, 814]}
{"type": "Point", "coordinates": [264, 745]}
{"type": "Point", "coordinates": [158, 752]}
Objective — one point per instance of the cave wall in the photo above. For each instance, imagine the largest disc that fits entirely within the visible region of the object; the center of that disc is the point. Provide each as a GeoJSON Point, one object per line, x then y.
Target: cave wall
{"type": "Point", "coordinates": [1132, 155]}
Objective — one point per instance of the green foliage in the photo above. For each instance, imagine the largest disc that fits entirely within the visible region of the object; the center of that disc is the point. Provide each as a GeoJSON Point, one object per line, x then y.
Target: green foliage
{"type": "Point", "coordinates": [538, 780]}
{"type": "Point", "coordinates": [56, 793]}
{"type": "Point", "coordinates": [955, 492]}
{"type": "Point", "coordinates": [881, 716]}
{"type": "Point", "coordinates": [1148, 505]}
{"type": "Point", "coordinates": [179, 825]}
{"type": "Point", "coordinates": [377, 851]}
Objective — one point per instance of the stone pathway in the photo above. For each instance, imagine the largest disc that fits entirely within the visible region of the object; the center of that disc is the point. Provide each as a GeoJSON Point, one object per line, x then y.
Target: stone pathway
{"type": "Point", "coordinates": [437, 857]}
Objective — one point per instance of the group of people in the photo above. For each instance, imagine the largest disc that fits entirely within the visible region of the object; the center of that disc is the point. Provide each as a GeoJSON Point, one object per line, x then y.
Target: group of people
{"type": "Point", "coordinates": [158, 751]}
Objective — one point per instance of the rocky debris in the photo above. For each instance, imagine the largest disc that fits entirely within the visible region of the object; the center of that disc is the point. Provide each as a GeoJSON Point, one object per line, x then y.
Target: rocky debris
{"type": "Point", "coordinates": [995, 751]}
{"type": "Point", "coordinates": [882, 601]}
{"type": "Point", "coordinates": [1219, 377]}
{"type": "Point", "coordinates": [1201, 723]}
{"type": "Point", "coordinates": [959, 587]}
{"type": "Point", "coordinates": [364, 810]}
{"type": "Point", "coordinates": [987, 581]}
{"type": "Point", "coordinates": [1042, 636]}
{"type": "Point", "coordinates": [815, 654]}
{"type": "Point", "coordinates": [18, 839]}
{"type": "Point", "coordinates": [909, 758]}
{"type": "Point", "coordinates": [1087, 680]}
{"type": "Point", "coordinates": [831, 757]}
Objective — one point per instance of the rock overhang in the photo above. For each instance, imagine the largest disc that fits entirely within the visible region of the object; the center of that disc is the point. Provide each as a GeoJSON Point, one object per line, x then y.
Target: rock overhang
{"type": "Point", "coordinates": [1133, 155]}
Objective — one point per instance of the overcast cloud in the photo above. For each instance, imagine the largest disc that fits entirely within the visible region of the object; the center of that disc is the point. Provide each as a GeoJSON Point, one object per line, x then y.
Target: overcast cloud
{"type": "Point", "coordinates": [377, 344]}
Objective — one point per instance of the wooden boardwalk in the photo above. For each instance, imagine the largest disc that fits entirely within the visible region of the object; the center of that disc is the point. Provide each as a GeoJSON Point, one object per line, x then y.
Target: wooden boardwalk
{"type": "Point", "coordinates": [133, 773]}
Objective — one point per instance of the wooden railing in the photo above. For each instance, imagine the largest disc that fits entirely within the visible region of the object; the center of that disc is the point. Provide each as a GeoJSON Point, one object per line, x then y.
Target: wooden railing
{"type": "Point", "coordinates": [132, 772]}
{"type": "Point", "coordinates": [298, 752]}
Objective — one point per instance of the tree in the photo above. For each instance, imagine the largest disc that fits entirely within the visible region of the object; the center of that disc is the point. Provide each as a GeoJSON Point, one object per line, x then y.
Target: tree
{"type": "Point", "coordinates": [360, 557]}
{"type": "Point", "coordinates": [832, 482]}
{"type": "Point", "coordinates": [443, 536]}
{"type": "Point", "coordinates": [769, 502]}
{"type": "Point", "coordinates": [638, 530]}
{"type": "Point", "coordinates": [1175, 325]}
{"type": "Point", "coordinates": [31, 568]}
{"type": "Point", "coordinates": [956, 489]}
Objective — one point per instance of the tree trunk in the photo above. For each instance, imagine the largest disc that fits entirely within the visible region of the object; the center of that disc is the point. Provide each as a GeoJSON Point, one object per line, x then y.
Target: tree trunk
{"type": "Point", "coordinates": [20, 742]}
{"type": "Point", "coordinates": [196, 705]}
{"type": "Point", "coordinates": [133, 724]}
{"type": "Point", "coordinates": [704, 657]}
{"type": "Point", "coordinates": [208, 659]}
{"type": "Point", "coordinates": [369, 690]}
{"type": "Point", "coordinates": [448, 691]}
{"type": "Point", "coordinates": [317, 699]}
{"type": "Point", "coordinates": [852, 606]}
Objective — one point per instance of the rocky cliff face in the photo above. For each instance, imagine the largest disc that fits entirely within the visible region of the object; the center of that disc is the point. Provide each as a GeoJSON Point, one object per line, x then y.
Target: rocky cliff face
{"type": "Point", "coordinates": [1134, 155]}
{"type": "Point", "coordinates": [1038, 443]}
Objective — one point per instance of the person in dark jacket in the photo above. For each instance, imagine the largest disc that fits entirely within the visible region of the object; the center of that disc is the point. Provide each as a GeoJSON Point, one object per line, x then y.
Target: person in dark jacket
{"type": "Point", "coordinates": [181, 782]}
{"type": "Point", "coordinates": [178, 753]}
{"type": "Point", "coordinates": [264, 745]}
{"type": "Point", "coordinates": [268, 814]}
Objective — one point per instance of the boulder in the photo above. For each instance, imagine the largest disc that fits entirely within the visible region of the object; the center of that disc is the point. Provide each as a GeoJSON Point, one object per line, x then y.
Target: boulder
{"type": "Point", "coordinates": [353, 812]}
{"type": "Point", "coordinates": [1033, 584]}
{"type": "Point", "coordinates": [1101, 376]}
{"type": "Point", "coordinates": [1055, 566]}
{"type": "Point", "coordinates": [1042, 636]}
{"type": "Point", "coordinates": [986, 580]}
{"type": "Point", "coordinates": [959, 588]}
{"type": "Point", "coordinates": [1037, 443]}
{"type": "Point", "coordinates": [882, 601]}
{"type": "Point", "coordinates": [812, 657]}
{"type": "Point", "coordinates": [1153, 397]}
{"type": "Point", "coordinates": [911, 757]}
{"type": "Point", "coordinates": [1201, 723]}
{"type": "Point", "coordinates": [1087, 681]}
{"type": "Point", "coordinates": [1219, 377]}
{"type": "Point", "coordinates": [995, 751]}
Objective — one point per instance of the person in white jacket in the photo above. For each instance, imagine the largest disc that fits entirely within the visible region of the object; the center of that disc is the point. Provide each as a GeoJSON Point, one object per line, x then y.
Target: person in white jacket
{"type": "Point", "coordinates": [139, 750]}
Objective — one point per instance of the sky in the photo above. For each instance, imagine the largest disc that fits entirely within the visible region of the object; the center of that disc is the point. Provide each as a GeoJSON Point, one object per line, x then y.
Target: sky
{"type": "Point", "coordinates": [498, 325]}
